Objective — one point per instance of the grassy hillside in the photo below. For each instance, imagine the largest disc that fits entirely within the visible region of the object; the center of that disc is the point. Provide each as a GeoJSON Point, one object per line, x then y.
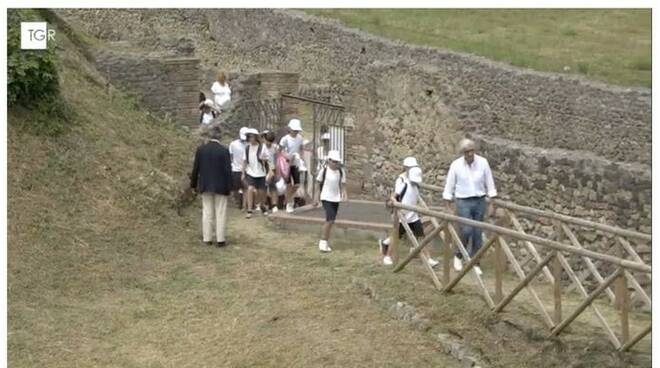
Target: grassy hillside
{"type": "Point", "coordinates": [613, 45]}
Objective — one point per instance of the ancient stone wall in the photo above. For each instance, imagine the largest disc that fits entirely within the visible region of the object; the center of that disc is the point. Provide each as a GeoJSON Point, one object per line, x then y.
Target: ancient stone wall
{"type": "Point", "coordinates": [166, 85]}
{"type": "Point", "coordinates": [556, 142]}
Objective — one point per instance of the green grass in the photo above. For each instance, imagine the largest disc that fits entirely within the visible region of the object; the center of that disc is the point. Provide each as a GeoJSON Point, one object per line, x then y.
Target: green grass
{"type": "Point", "coordinates": [612, 45]}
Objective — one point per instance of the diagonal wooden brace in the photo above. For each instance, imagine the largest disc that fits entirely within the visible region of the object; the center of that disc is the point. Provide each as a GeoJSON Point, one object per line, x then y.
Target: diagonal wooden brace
{"type": "Point", "coordinates": [587, 302]}
{"type": "Point", "coordinates": [471, 263]}
{"type": "Point", "coordinates": [413, 240]}
{"type": "Point", "coordinates": [530, 276]}
{"type": "Point", "coordinates": [416, 250]}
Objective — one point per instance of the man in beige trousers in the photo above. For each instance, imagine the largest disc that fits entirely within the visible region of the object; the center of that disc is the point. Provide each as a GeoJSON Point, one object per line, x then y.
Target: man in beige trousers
{"type": "Point", "coordinates": [212, 177]}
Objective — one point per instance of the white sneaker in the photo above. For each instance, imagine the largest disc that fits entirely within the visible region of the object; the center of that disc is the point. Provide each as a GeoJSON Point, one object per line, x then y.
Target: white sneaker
{"type": "Point", "coordinates": [274, 209]}
{"type": "Point", "coordinates": [432, 262]}
{"type": "Point", "coordinates": [324, 247]}
{"type": "Point", "coordinates": [458, 264]}
{"type": "Point", "coordinates": [477, 269]}
{"type": "Point", "coordinates": [257, 208]}
{"type": "Point", "coordinates": [387, 261]}
{"type": "Point", "coordinates": [289, 208]}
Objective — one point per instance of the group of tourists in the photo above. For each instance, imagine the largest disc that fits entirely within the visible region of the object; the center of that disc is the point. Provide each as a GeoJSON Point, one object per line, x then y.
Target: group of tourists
{"type": "Point", "coordinates": [262, 174]}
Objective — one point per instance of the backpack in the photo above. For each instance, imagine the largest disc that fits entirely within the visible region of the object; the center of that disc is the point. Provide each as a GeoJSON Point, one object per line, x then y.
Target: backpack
{"type": "Point", "coordinates": [283, 168]}
{"type": "Point", "coordinates": [399, 197]}
{"type": "Point", "coordinates": [263, 163]}
{"type": "Point", "coordinates": [341, 177]}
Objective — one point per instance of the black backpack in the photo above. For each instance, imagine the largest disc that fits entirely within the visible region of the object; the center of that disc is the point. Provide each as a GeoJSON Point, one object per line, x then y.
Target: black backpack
{"type": "Point", "coordinates": [341, 176]}
{"type": "Point", "coordinates": [263, 163]}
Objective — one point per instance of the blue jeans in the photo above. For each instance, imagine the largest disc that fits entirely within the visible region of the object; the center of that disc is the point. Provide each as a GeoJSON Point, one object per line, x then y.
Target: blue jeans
{"type": "Point", "coordinates": [473, 208]}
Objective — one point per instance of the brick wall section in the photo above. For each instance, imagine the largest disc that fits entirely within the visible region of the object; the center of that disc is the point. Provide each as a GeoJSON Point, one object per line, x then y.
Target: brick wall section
{"type": "Point", "coordinates": [166, 85]}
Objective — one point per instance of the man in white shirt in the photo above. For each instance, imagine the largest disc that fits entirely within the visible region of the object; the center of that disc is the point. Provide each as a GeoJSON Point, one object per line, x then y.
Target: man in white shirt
{"type": "Point", "coordinates": [469, 181]}
{"type": "Point", "coordinates": [254, 172]}
{"type": "Point", "coordinates": [291, 145]}
{"type": "Point", "coordinates": [332, 179]}
{"type": "Point", "coordinates": [237, 152]}
{"type": "Point", "coordinates": [406, 191]}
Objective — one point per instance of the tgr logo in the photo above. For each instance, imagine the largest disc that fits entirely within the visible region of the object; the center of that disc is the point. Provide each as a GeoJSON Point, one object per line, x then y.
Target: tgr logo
{"type": "Point", "coordinates": [35, 35]}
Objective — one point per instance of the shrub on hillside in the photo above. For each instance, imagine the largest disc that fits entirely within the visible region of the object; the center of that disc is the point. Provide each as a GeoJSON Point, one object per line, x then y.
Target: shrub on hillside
{"type": "Point", "coordinates": [32, 80]}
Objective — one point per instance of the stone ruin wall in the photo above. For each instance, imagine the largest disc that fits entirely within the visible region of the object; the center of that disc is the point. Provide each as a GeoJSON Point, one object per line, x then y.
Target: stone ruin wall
{"type": "Point", "coordinates": [167, 84]}
{"type": "Point", "coordinates": [555, 142]}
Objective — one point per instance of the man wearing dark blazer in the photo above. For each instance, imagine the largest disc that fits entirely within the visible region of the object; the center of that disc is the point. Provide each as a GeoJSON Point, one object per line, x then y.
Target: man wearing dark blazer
{"type": "Point", "coordinates": [211, 176]}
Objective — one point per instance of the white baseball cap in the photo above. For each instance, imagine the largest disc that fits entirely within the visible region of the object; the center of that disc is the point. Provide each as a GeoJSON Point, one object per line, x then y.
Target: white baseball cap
{"type": "Point", "coordinates": [295, 124]}
{"type": "Point", "coordinates": [334, 156]}
{"type": "Point", "coordinates": [241, 133]}
{"type": "Point", "coordinates": [415, 175]}
{"type": "Point", "coordinates": [325, 136]}
{"type": "Point", "coordinates": [410, 162]}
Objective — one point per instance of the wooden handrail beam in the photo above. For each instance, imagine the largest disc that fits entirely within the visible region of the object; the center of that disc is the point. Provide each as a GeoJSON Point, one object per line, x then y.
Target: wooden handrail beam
{"type": "Point", "coordinates": [535, 239]}
{"type": "Point", "coordinates": [553, 215]}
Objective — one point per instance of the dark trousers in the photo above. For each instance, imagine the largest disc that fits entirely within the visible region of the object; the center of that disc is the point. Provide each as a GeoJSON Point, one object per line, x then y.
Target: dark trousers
{"type": "Point", "coordinates": [473, 208]}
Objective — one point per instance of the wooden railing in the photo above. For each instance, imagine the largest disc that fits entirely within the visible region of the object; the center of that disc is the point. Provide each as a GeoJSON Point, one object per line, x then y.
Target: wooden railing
{"type": "Point", "coordinates": [554, 265]}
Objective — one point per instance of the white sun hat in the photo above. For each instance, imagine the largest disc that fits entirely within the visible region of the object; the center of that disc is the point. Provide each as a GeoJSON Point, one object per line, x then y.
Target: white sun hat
{"type": "Point", "coordinates": [251, 131]}
{"type": "Point", "coordinates": [415, 175]}
{"type": "Point", "coordinates": [295, 124]}
{"type": "Point", "coordinates": [241, 133]}
{"type": "Point", "coordinates": [334, 156]}
{"type": "Point", "coordinates": [410, 162]}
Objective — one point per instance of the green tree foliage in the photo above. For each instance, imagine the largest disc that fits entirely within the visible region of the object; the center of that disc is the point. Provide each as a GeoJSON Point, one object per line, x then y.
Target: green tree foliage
{"type": "Point", "coordinates": [32, 80]}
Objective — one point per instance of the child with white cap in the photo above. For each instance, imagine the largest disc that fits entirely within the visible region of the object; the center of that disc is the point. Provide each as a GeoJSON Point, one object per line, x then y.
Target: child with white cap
{"type": "Point", "coordinates": [255, 168]}
{"type": "Point", "coordinates": [237, 152]}
{"type": "Point", "coordinates": [406, 191]}
{"type": "Point", "coordinates": [332, 180]}
{"type": "Point", "coordinates": [291, 145]}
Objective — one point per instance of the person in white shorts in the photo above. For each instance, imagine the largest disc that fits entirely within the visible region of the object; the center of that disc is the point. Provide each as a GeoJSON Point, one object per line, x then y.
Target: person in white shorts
{"type": "Point", "coordinates": [332, 181]}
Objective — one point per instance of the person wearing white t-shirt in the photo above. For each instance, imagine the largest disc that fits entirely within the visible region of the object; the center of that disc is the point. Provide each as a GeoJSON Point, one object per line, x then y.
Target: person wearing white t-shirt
{"type": "Point", "coordinates": [332, 179]}
{"type": "Point", "coordinates": [237, 153]}
{"type": "Point", "coordinates": [221, 91]}
{"type": "Point", "coordinates": [291, 146]}
{"type": "Point", "coordinates": [270, 150]}
{"type": "Point", "coordinates": [406, 191]}
{"type": "Point", "coordinates": [254, 171]}
{"type": "Point", "coordinates": [469, 182]}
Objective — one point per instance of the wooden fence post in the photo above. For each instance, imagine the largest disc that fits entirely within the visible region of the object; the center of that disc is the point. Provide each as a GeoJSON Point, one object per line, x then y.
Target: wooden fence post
{"type": "Point", "coordinates": [394, 237]}
{"type": "Point", "coordinates": [556, 273]}
{"type": "Point", "coordinates": [499, 270]}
